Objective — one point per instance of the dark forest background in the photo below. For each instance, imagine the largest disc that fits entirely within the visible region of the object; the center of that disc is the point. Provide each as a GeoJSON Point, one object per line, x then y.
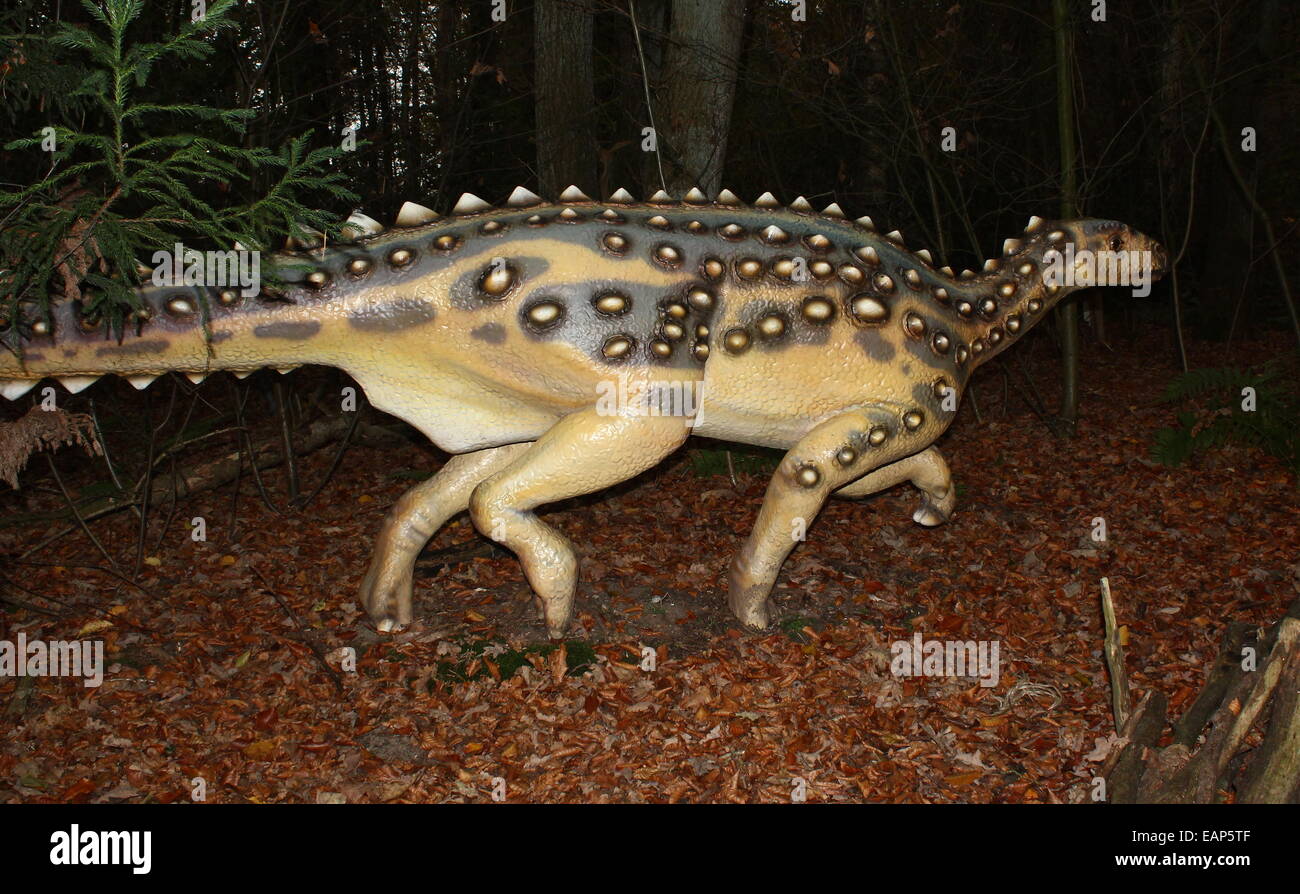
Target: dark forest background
{"type": "Point", "coordinates": [200, 529]}
{"type": "Point", "coordinates": [950, 121]}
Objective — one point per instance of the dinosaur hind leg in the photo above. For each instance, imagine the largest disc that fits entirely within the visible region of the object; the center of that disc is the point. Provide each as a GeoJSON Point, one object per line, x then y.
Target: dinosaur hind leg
{"type": "Point", "coordinates": [928, 471]}
{"type": "Point", "coordinates": [584, 452]}
{"type": "Point", "coordinates": [417, 516]}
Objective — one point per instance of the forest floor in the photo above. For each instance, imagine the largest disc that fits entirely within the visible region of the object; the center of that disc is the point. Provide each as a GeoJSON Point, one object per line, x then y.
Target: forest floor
{"type": "Point", "coordinates": [209, 676]}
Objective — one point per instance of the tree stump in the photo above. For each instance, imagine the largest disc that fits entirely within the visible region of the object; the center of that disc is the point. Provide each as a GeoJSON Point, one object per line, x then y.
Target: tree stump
{"type": "Point", "coordinates": [1254, 680]}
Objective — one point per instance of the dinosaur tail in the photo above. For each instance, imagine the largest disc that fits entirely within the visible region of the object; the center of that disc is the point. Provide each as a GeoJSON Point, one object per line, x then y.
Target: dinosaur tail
{"type": "Point", "coordinates": [190, 329]}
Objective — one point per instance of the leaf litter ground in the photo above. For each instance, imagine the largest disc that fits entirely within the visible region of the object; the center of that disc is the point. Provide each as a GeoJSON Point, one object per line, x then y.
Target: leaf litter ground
{"type": "Point", "coordinates": [210, 676]}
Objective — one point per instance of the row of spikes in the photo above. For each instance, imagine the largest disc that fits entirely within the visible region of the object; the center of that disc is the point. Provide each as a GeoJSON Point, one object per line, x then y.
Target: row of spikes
{"type": "Point", "coordinates": [412, 214]}
{"type": "Point", "coordinates": [74, 384]}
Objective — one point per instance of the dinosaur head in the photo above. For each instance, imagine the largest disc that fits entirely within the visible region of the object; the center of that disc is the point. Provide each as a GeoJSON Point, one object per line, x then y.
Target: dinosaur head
{"type": "Point", "coordinates": [1092, 252]}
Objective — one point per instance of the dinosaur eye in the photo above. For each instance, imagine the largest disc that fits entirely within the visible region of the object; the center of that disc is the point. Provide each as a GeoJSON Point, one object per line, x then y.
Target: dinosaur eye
{"type": "Point", "coordinates": [1116, 242]}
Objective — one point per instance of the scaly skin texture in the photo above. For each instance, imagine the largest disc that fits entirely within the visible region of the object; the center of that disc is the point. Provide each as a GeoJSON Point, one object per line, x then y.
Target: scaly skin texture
{"type": "Point", "coordinates": [500, 332]}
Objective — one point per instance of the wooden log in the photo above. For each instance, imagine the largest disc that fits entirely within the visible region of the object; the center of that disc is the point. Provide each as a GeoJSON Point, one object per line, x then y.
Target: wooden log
{"type": "Point", "coordinates": [1199, 779]}
{"type": "Point", "coordinates": [1114, 650]}
{"type": "Point", "coordinates": [1124, 768]}
{"type": "Point", "coordinates": [223, 469]}
{"type": "Point", "coordinates": [1233, 701]}
{"type": "Point", "coordinates": [1274, 775]}
{"type": "Point", "coordinates": [1225, 672]}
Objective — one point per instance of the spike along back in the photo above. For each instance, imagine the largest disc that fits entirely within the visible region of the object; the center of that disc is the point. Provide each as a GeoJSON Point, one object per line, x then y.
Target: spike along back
{"type": "Point", "coordinates": [537, 342]}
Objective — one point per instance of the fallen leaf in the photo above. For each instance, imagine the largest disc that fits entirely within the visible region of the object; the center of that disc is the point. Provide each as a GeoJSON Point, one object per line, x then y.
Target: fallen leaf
{"type": "Point", "coordinates": [261, 750]}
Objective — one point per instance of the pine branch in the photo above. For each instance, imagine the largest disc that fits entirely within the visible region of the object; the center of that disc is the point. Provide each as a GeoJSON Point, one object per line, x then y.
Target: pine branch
{"type": "Point", "coordinates": [114, 192]}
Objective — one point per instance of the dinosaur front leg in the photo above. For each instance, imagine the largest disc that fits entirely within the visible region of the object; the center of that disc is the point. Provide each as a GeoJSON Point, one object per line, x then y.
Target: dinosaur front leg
{"type": "Point", "coordinates": [584, 452]}
{"type": "Point", "coordinates": [417, 516]}
{"type": "Point", "coordinates": [928, 471]}
{"type": "Point", "coordinates": [826, 459]}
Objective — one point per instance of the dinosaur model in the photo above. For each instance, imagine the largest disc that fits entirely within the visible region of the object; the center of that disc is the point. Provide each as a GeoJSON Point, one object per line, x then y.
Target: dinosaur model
{"type": "Point", "coordinates": [536, 342]}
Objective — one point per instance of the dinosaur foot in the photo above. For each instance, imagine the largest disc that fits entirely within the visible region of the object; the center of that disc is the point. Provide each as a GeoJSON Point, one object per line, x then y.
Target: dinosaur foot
{"type": "Point", "coordinates": [935, 511]}
{"type": "Point", "coordinates": [749, 601]}
{"type": "Point", "coordinates": [554, 614]}
{"type": "Point", "coordinates": [386, 594]}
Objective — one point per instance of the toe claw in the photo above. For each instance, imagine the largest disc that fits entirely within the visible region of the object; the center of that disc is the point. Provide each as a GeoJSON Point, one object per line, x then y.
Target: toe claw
{"type": "Point", "coordinates": [935, 510]}
{"type": "Point", "coordinates": [928, 516]}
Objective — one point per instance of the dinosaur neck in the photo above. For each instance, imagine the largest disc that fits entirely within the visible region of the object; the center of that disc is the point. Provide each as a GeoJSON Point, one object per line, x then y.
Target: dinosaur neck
{"type": "Point", "coordinates": [1002, 302]}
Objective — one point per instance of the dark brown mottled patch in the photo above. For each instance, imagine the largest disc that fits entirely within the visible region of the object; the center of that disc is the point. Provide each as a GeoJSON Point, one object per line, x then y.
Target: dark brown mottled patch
{"type": "Point", "coordinates": [921, 351]}
{"type": "Point", "coordinates": [295, 331]}
{"type": "Point", "coordinates": [393, 316]}
{"type": "Point", "coordinates": [923, 394]}
{"type": "Point", "coordinates": [148, 346]}
{"type": "Point", "coordinates": [875, 345]}
{"type": "Point", "coordinates": [492, 333]}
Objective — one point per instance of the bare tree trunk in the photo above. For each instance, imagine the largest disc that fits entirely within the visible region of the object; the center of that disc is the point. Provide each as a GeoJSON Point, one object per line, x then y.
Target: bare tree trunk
{"type": "Point", "coordinates": [694, 111]}
{"type": "Point", "coordinates": [1241, 165]}
{"type": "Point", "coordinates": [1170, 164]}
{"type": "Point", "coordinates": [565, 97]}
{"type": "Point", "coordinates": [1067, 313]}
